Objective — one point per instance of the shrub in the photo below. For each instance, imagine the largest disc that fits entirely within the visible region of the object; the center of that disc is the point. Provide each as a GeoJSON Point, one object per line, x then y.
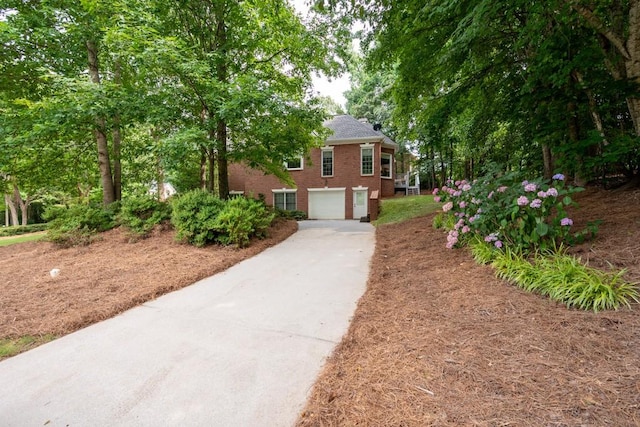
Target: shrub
{"type": "Point", "coordinates": [22, 229]}
{"type": "Point", "coordinates": [76, 224]}
{"type": "Point", "coordinates": [194, 217]}
{"type": "Point", "coordinates": [141, 214]}
{"type": "Point", "coordinates": [527, 215]}
{"type": "Point", "coordinates": [241, 219]}
{"type": "Point", "coordinates": [297, 215]}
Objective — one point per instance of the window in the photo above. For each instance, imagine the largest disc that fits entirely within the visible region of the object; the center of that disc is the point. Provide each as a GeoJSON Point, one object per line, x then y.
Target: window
{"type": "Point", "coordinates": [285, 199]}
{"type": "Point", "coordinates": [366, 160]}
{"type": "Point", "coordinates": [385, 165]}
{"type": "Point", "coordinates": [327, 161]}
{"type": "Point", "coordinates": [294, 164]}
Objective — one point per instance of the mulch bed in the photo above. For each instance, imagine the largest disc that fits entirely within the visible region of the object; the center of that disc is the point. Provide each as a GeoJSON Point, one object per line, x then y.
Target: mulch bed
{"type": "Point", "coordinates": [438, 340]}
{"type": "Point", "coordinates": [105, 278]}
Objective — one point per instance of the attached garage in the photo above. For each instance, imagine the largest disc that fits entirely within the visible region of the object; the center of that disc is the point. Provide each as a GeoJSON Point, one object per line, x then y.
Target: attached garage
{"type": "Point", "coordinates": [327, 203]}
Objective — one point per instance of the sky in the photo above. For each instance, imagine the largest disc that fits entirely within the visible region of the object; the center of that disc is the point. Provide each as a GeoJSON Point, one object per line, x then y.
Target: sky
{"type": "Point", "coordinates": [337, 86]}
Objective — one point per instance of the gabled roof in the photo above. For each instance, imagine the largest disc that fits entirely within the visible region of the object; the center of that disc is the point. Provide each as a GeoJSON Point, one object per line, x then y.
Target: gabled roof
{"type": "Point", "coordinates": [346, 128]}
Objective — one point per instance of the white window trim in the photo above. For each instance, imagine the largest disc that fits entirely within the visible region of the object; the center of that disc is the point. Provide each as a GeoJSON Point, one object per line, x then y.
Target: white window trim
{"type": "Point", "coordinates": [373, 159]}
{"type": "Point", "coordinates": [286, 164]}
{"type": "Point", "coordinates": [285, 191]}
{"type": "Point", "coordinates": [333, 162]}
{"type": "Point", "coordinates": [390, 166]}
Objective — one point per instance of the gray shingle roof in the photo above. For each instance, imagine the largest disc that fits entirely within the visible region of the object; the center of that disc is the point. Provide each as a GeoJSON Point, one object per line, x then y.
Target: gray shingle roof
{"type": "Point", "coordinates": [346, 127]}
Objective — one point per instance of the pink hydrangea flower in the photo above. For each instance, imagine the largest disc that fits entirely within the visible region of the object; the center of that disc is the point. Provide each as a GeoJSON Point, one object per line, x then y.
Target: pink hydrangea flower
{"type": "Point", "coordinates": [530, 187]}
{"type": "Point", "coordinates": [552, 192]}
{"type": "Point", "coordinates": [466, 229]}
{"type": "Point", "coordinates": [502, 189]}
{"type": "Point", "coordinates": [542, 194]}
{"type": "Point", "coordinates": [463, 204]}
{"type": "Point", "coordinates": [436, 199]}
{"type": "Point", "coordinates": [523, 201]}
{"type": "Point", "coordinates": [435, 191]}
{"type": "Point", "coordinates": [536, 203]}
{"type": "Point", "coordinates": [490, 195]}
{"type": "Point", "coordinates": [566, 222]}
{"type": "Point", "coordinates": [466, 187]}
{"type": "Point", "coordinates": [447, 207]}
{"type": "Point", "coordinates": [498, 244]}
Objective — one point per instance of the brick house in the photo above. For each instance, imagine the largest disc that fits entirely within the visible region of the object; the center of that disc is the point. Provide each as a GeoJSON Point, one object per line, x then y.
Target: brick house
{"type": "Point", "coordinates": [342, 180]}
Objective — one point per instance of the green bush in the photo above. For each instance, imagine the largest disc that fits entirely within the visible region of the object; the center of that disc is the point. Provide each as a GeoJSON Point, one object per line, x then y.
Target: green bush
{"type": "Point", "coordinates": [22, 229]}
{"type": "Point", "coordinates": [141, 214]}
{"type": "Point", "coordinates": [505, 211]}
{"type": "Point", "coordinates": [194, 217]}
{"type": "Point", "coordinates": [297, 215]}
{"type": "Point", "coordinates": [77, 224]}
{"type": "Point", "coordinates": [241, 219]}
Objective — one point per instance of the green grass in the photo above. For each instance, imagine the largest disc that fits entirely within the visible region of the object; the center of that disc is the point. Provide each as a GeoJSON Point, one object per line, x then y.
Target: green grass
{"type": "Point", "coordinates": [401, 209]}
{"type": "Point", "coordinates": [12, 346]}
{"type": "Point", "coordinates": [6, 241]}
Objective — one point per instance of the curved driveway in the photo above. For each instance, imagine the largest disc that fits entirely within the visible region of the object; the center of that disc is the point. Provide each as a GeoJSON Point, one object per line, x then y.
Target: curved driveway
{"type": "Point", "coordinates": [241, 348]}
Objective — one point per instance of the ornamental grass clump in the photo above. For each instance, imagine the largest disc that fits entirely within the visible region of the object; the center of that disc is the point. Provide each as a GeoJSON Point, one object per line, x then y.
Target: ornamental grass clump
{"type": "Point", "coordinates": [565, 279]}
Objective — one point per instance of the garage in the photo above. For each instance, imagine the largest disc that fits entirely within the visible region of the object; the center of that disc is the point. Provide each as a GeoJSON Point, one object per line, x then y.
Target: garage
{"type": "Point", "coordinates": [327, 203]}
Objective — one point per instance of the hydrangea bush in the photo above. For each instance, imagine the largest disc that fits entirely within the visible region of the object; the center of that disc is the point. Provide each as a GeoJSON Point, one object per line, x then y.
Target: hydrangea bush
{"type": "Point", "coordinates": [504, 211]}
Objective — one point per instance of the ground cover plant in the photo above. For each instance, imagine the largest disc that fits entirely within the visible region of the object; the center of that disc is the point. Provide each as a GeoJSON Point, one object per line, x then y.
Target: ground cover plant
{"type": "Point", "coordinates": [520, 227]}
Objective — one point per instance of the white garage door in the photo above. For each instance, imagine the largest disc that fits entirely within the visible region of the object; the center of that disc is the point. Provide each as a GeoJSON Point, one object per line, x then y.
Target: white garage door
{"type": "Point", "coordinates": [326, 203]}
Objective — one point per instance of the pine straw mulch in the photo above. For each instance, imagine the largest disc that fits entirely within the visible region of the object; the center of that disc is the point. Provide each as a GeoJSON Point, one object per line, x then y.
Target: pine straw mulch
{"type": "Point", "coordinates": [104, 278]}
{"type": "Point", "coordinates": [438, 340]}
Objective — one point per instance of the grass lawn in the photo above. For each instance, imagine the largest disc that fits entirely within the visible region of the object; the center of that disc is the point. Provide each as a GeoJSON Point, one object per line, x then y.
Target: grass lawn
{"type": "Point", "coordinates": [6, 241]}
{"type": "Point", "coordinates": [401, 209]}
{"type": "Point", "coordinates": [13, 346]}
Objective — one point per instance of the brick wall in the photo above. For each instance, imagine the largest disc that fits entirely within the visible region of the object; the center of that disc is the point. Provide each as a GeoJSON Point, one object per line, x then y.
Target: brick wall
{"type": "Point", "coordinates": [346, 173]}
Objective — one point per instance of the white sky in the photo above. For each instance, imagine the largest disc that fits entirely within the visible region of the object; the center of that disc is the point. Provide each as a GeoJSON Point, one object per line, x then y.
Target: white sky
{"type": "Point", "coordinates": [337, 86]}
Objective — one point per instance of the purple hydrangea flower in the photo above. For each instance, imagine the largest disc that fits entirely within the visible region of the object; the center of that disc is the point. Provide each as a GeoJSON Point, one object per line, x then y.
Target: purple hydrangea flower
{"type": "Point", "coordinates": [542, 194]}
{"type": "Point", "coordinates": [558, 177]}
{"type": "Point", "coordinates": [530, 187]}
{"type": "Point", "coordinates": [552, 192]}
{"type": "Point", "coordinates": [498, 244]}
{"type": "Point", "coordinates": [536, 203]}
{"type": "Point", "coordinates": [523, 201]}
{"type": "Point", "coordinates": [566, 222]}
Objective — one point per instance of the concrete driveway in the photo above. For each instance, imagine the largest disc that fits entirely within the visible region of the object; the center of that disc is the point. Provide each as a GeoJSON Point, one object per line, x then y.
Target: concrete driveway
{"type": "Point", "coordinates": [241, 348]}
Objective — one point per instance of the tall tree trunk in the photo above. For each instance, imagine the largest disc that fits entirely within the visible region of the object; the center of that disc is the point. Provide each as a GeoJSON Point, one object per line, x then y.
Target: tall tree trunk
{"type": "Point", "coordinates": [548, 163]}
{"type": "Point", "coordinates": [12, 210]}
{"type": "Point", "coordinates": [108, 192]}
{"type": "Point", "coordinates": [221, 125]}
{"type": "Point", "coordinates": [23, 204]}
{"type": "Point", "coordinates": [117, 139]}
{"type": "Point", "coordinates": [574, 137]}
{"type": "Point", "coordinates": [203, 168]}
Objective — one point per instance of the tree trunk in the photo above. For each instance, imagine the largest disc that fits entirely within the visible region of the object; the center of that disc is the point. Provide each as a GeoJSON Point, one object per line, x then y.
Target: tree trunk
{"type": "Point", "coordinates": [574, 137]}
{"type": "Point", "coordinates": [547, 159]}
{"type": "Point", "coordinates": [117, 140]}
{"type": "Point", "coordinates": [203, 168]}
{"type": "Point", "coordinates": [104, 164]}
{"type": "Point", "coordinates": [12, 210]}
{"type": "Point", "coordinates": [221, 125]}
